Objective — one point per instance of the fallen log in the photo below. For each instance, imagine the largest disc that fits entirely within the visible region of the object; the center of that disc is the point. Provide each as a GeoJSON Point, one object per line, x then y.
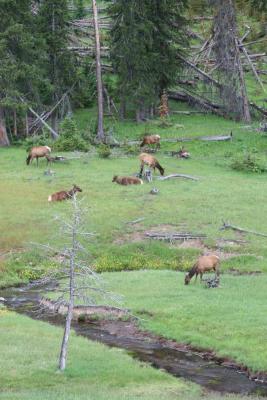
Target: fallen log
{"type": "Point", "coordinates": [227, 225]}
{"type": "Point", "coordinates": [199, 101]}
{"type": "Point", "coordinates": [136, 221]}
{"type": "Point", "coordinates": [170, 236]}
{"type": "Point", "coordinates": [164, 178]}
{"type": "Point", "coordinates": [189, 112]}
{"type": "Point", "coordinates": [219, 138]}
{"type": "Point", "coordinates": [260, 109]}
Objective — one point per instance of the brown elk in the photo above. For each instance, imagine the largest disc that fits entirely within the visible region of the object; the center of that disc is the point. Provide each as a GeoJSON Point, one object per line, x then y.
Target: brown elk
{"type": "Point", "coordinates": [151, 139]}
{"type": "Point", "coordinates": [37, 152]}
{"type": "Point", "coordinates": [64, 195]}
{"type": "Point", "coordinates": [182, 153]}
{"type": "Point", "coordinates": [127, 180]}
{"type": "Point", "coordinates": [150, 161]}
{"type": "Point", "coordinates": [203, 264]}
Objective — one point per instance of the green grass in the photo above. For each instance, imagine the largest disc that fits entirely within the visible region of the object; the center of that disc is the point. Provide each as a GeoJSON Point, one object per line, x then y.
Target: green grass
{"type": "Point", "coordinates": [28, 361]}
{"type": "Point", "coordinates": [28, 368]}
{"type": "Point", "coordinates": [220, 194]}
{"type": "Point", "coordinates": [231, 320]}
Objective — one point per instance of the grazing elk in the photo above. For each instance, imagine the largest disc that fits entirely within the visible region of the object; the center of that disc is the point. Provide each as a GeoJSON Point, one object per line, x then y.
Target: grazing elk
{"type": "Point", "coordinates": [127, 180]}
{"type": "Point", "coordinates": [151, 162]}
{"type": "Point", "coordinates": [151, 139]}
{"type": "Point", "coordinates": [37, 152]}
{"type": "Point", "coordinates": [203, 264]}
{"type": "Point", "coordinates": [64, 195]}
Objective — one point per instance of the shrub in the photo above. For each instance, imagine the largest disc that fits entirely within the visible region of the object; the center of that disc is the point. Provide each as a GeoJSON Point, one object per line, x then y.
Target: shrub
{"type": "Point", "coordinates": [131, 150]}
{"type": "Point", "coordinates": [70, 139]}
{"type": "Point", "coordinates": [41, 140]}
{"type": "Point", "coordinates": [103, 151]}
{"type": "Point", "coordinates": [248, 163]}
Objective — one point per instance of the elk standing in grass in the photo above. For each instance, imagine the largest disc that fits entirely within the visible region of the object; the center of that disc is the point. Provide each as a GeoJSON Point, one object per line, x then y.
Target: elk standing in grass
{"type": "Point", "coordinates": [37, 152]}
{"type": "Point", "coordinates": [64, 195]}
{"type": "Point", "coordinates": [203, 264]}
{"type": "Point", "coordinates": [151, 139]}
{"type": "Point", "coordinates": [151, 162]}
{"type": "Point", "coordinates": [127, 180]}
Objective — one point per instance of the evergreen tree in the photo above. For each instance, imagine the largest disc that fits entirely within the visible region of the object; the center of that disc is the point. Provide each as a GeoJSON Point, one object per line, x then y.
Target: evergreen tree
{"type": "Point", "coordinates": [20, 54]}
{"type": "Point", "coordinates": [53, 21]}
{"type": "Point", "coordinates": [145, 39]}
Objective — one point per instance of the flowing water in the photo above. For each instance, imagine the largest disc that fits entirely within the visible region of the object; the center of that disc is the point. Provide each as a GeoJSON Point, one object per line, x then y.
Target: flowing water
{"type": "Point", "coordinates": [180, 363]}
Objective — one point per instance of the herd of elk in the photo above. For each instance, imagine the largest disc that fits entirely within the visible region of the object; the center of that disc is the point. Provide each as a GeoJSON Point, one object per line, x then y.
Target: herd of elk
{"type": "Point", "coordinates": [127, 180]}
{"type": "Point", "coordinates": [151, 139]}
{"type": "Point", "coordinates": [38, 152]}
{"type": "Point", "coordinates": [64, 195]}
{"type": "Point", "coordinates": [203, 264]}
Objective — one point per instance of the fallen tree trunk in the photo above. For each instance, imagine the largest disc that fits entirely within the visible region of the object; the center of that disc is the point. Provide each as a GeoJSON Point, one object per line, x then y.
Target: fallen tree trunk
{"type": "Point", "coordinates": [219, 138]}
{"type": "Point", "coordinates": [170, 236]}
{"type": "Point", "coordinates": [227, 225]}
{"type": "Point", "coordinates": [199, 101]}
{"type": "Point", "coordinates": [164, 178]}
{"type": "Point", "coordinates": [258, 108]}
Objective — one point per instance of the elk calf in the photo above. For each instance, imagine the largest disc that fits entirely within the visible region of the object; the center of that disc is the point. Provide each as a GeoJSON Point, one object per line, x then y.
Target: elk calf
{"type": "Point", "coordinates": [127, 180]}
{"type": "Point", "coordinates": [64, 195]}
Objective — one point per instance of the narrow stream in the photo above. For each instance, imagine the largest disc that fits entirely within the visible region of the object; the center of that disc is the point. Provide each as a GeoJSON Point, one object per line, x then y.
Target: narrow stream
{"type": "Point", "coordinates": [179, 363]}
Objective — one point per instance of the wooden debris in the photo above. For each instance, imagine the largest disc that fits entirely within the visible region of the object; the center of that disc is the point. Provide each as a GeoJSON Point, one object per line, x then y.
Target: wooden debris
{"type": "Point", "coordinates": [258, 108]}
{"type": "Point", "coordinates": [136, 221]}
{"type": "Point", "coordinates": [164, 178]}
{"type": "Point", "coordinates": [221, 138]}
{"type": "Point", "coordinates": [227, 225]}
{"type": "Point", "coordinates": [170, 236]}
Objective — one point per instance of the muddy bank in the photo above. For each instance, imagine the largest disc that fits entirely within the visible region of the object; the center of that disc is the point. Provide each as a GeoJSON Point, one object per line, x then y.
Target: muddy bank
{"type": "Point", "coordinates": [117, 328]}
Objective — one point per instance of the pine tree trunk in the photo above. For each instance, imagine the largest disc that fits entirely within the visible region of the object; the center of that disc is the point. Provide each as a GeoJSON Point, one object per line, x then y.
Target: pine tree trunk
{"type": "Point", "coordinates": [243, 90]}
{"type": "Point", "coordinates": [100, 123]}
{"type": "Point", "coordinates": [15, 130]}
{"type": "Point", "coordinates": [4, 141]}
{"type": "Point", "coordinates": [122, 109]}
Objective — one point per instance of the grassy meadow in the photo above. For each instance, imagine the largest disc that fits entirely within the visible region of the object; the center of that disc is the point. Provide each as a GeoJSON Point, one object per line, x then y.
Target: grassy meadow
{"type": "Point", "coordinates": [230, 320]}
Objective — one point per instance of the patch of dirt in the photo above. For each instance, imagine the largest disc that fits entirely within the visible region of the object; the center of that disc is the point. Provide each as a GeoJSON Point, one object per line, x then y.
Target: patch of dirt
{"type": "Point", "coordinates": [133, 237]}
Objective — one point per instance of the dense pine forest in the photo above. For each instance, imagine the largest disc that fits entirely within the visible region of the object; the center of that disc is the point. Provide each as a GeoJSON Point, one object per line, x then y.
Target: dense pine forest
{"type": "Point", "coordinates": [51, 65]}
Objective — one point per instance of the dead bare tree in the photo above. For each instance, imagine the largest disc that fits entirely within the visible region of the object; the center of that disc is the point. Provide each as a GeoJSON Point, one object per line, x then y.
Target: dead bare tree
{"type": "Point", "coordinates": [100, 122]}
{"type": "Point", "coordinates": [77, 280]}
{"type": "Point", "coordinates": [230, 70]}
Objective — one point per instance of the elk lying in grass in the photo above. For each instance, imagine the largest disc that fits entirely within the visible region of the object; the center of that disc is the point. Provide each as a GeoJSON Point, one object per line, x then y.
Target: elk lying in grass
{"type": "Point", "coordinates": [203, 264]}
{"type": "Point", "coordinates": [37, 152]}
{"type": "Point", "coordinates": [64, 195]}
{"type": "Point", "coordinates": [151, 139]}
{"type": "Point", "coordinates": [127, 180]}
{"type": "Point", "coordinates": [182, 153]}
{"type": "Point", "coordinates": [151, 162]}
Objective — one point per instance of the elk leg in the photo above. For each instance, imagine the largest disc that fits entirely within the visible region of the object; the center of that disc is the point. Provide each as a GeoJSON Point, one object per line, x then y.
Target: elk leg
{"type": "Point", "coordinates": [201, 276]}
{"type": "Point", "coordinates": [196, 277]}
{"type": "Point", "coordinates": [37, 160]}
{"type": "Point", "coordinates": [141, 171]}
